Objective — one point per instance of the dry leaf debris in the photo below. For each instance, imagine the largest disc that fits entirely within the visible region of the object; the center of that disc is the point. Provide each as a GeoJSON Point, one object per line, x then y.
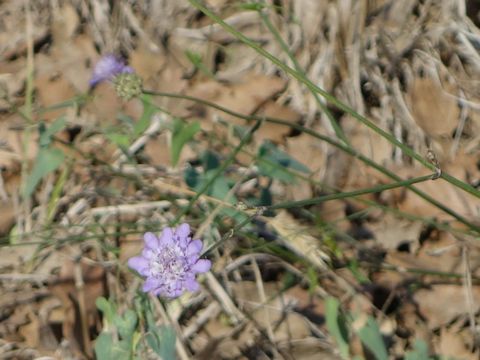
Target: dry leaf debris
{"type": "Point", "coordinates": [409, 66]}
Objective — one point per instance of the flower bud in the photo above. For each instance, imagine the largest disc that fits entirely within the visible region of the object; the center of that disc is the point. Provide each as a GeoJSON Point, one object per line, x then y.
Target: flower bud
{"type": "Point", "coordinates": [128, 85]}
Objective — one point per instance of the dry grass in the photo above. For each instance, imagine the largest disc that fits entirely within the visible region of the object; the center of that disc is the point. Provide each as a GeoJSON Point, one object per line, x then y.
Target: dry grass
{"type": "Point", "coordinates": [411, 66]}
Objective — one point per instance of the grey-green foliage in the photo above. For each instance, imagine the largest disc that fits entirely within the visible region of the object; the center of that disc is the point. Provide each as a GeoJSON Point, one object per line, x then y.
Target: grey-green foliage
{"type": "Point", "coordinates": [48, 158]}
{"type": "Point", "coordinates": [118, 339]}
{"type": "Point", "coordinates": [197, 61]}
{"type": "Point", "coordinates": [220, 185]}
{"type": "Point", "coordinates": [161, 339]}
{"type": "Point", "coordinates": [182, 134]}
{"type": "Point", "coordinates": [123, 136]}
{"type": "Point", "coordinates": [144, 122]}
{"type": "Point", "coordinates": [337, 325]}
{"type": "Point", "coordinates": [123, 339]}
{"type": "Point", "coordinates": [275, 163]}
{"type": "Point", "coordinates": [372, 338]}
{"type": "Point", "coordinates": [419, 352]}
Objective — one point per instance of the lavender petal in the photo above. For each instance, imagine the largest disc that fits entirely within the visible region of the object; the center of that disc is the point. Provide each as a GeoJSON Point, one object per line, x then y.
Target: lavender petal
{"type": "Point", "coordinates": [194, 247]}
{"type": "Point", "coordinates": [150, 285]}
{"type": "Point", "coordinates": [166, 238]}
{"type": "Point", "coordinates": [183, 230]}
{"type": "Point", "coordinates": [201, 266]}
{"type": "Point", "coordinates": [139, 264]}
{"type": "Point", "coordinates": [107, 68]}
{"type": "Point", "coordinates": [192, 284]}
{"type": "Point", "coordinates": [151, 240]}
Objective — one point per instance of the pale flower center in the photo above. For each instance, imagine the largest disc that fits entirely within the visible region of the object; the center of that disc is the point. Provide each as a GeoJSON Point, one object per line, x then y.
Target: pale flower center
{"type": "Point", "coordinates": [168, 264]}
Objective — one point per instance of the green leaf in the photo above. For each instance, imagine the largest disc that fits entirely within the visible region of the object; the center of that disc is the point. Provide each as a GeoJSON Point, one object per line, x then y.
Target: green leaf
{"type": "Point", "coordinates": [265, 198]}
{"type": "Point", "coordinates": [196, 59]}
{"type": "Point", "coordinates": [282, 157]}
{"type": "Point", "coordinates": [107, 309]}
{"type": "Point", "coordinates": [121, 140]}
{"type": "Point", "coordinates": [191, 177]}
{"type": "Point", "coordinates": [126, 324]}
{"type": "Point", "coordinates": [312, 279]}
{"type": "Point", "coordinates": [152, 334]}
{"type": "Point", "coordinates": [136, 338]}
{"type": "Point", "coordinates": [46, 134]}
{"type": "Point", "coordinates": [47, 161]}
{"type": "Point", "coordinates": [182, 134]}
{"type": "Point", "coordinates": [419, 352]}
{"type": "Point", "coordinates": [104, 346]}
{"type": "Point", "coordinates": [160, 339]}
{"type": "Point", "coordinates": [219, 188]}
{"type": "Point", "coordinates": [336, 325]}
{"type": "Point", "coordinates": [148, 111]}
{"type": "Point", "coordinates": [153, 342]}
{"type": "Point", "coordinates": [210, 160]}
{"type": "Point", "coordinates": [275, 163]}
{"type": "Point", "coordinates": [372, 338]}
{"type": "Point", "coordinates": [122, 350]}
{"type": "Point", "coordinates": [167, 337]}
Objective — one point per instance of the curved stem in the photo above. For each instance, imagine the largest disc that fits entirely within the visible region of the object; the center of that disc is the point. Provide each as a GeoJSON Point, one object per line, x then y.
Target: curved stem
{"type": "Point", "coordinates": [348, 194]}
{"type": "Point", "coordinates": [332, 142]}
{"type": "Point", "coordinates": [332, 99]}
{"type": "Point", "coordinates": [336, 127]}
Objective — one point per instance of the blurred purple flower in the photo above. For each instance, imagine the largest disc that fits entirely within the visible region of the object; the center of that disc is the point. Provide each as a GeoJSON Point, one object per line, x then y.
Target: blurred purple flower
{"type": "Point", "coordinates": [107, 68]}
{"type": "Point", "coordinates": [170, 262]}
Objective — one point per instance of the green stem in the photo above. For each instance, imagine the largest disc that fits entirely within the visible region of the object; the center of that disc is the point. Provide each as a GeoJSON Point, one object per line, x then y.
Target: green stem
{"type": "Point", "coordinates": [418, 271]}
{"type": "Point", "coordinates": [430, 221]}
{"type": "Point", "coordinates": [348, 194]}
{"type": "Point", "coordinates": [336, 127]}
{"type": "Point", "coordinates": [331, 99]}
{"type": "Point", "coordinates": [396, 212]}
{"type": "Point", "coordinates": [332, 142]}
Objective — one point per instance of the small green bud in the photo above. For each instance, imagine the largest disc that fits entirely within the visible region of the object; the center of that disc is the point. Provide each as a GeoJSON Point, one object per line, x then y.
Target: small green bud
{"type": "Point", "coordinates": [128, 85]}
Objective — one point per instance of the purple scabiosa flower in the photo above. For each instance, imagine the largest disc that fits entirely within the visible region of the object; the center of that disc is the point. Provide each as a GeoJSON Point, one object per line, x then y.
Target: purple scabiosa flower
{"type": "Point", "coordinates": [107, 68]}
{"type": "Point", "coordinates": [170, 262]}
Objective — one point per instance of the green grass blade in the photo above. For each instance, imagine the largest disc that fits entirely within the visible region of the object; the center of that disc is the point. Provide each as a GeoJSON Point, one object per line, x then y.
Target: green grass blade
{"type": "Point", "coordinates": [372, 338]}
{"type": "Point", "coordinates": [336, 325]}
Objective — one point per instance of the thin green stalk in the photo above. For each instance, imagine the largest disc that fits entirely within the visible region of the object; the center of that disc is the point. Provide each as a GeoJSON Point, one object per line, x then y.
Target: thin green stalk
{"type": "Point", "coordinates": [331, 99]}
{"type": "Point", "coordinates": [75, 101]}
{"type": "Point", "coordinates": [348, 194]}
{"type": "Point", "coordinates": [336, 127]}
{"type": "Point", "coordinates": [330, 141]}
{"type": "Point", "coordinates": [429, 221]}
{"type": "Point", "coordinates": [56, 194]}
{"type": "Point", "coordinates": [371, 204]}
{"type": "Point", "coordinates": [27, 111]}
{"type": "Point", "coordinates": [90, 227]}
{"type": "Point", "coordinates": [418, 271]}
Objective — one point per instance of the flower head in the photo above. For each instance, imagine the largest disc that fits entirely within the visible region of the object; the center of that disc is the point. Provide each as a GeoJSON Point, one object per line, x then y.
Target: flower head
{"type": "Point", "coordinates": [128, 85]}
{"type": "Point", "coordinates": [170, 262]}
{"type": "Point", "coordinates": [107, 68]}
